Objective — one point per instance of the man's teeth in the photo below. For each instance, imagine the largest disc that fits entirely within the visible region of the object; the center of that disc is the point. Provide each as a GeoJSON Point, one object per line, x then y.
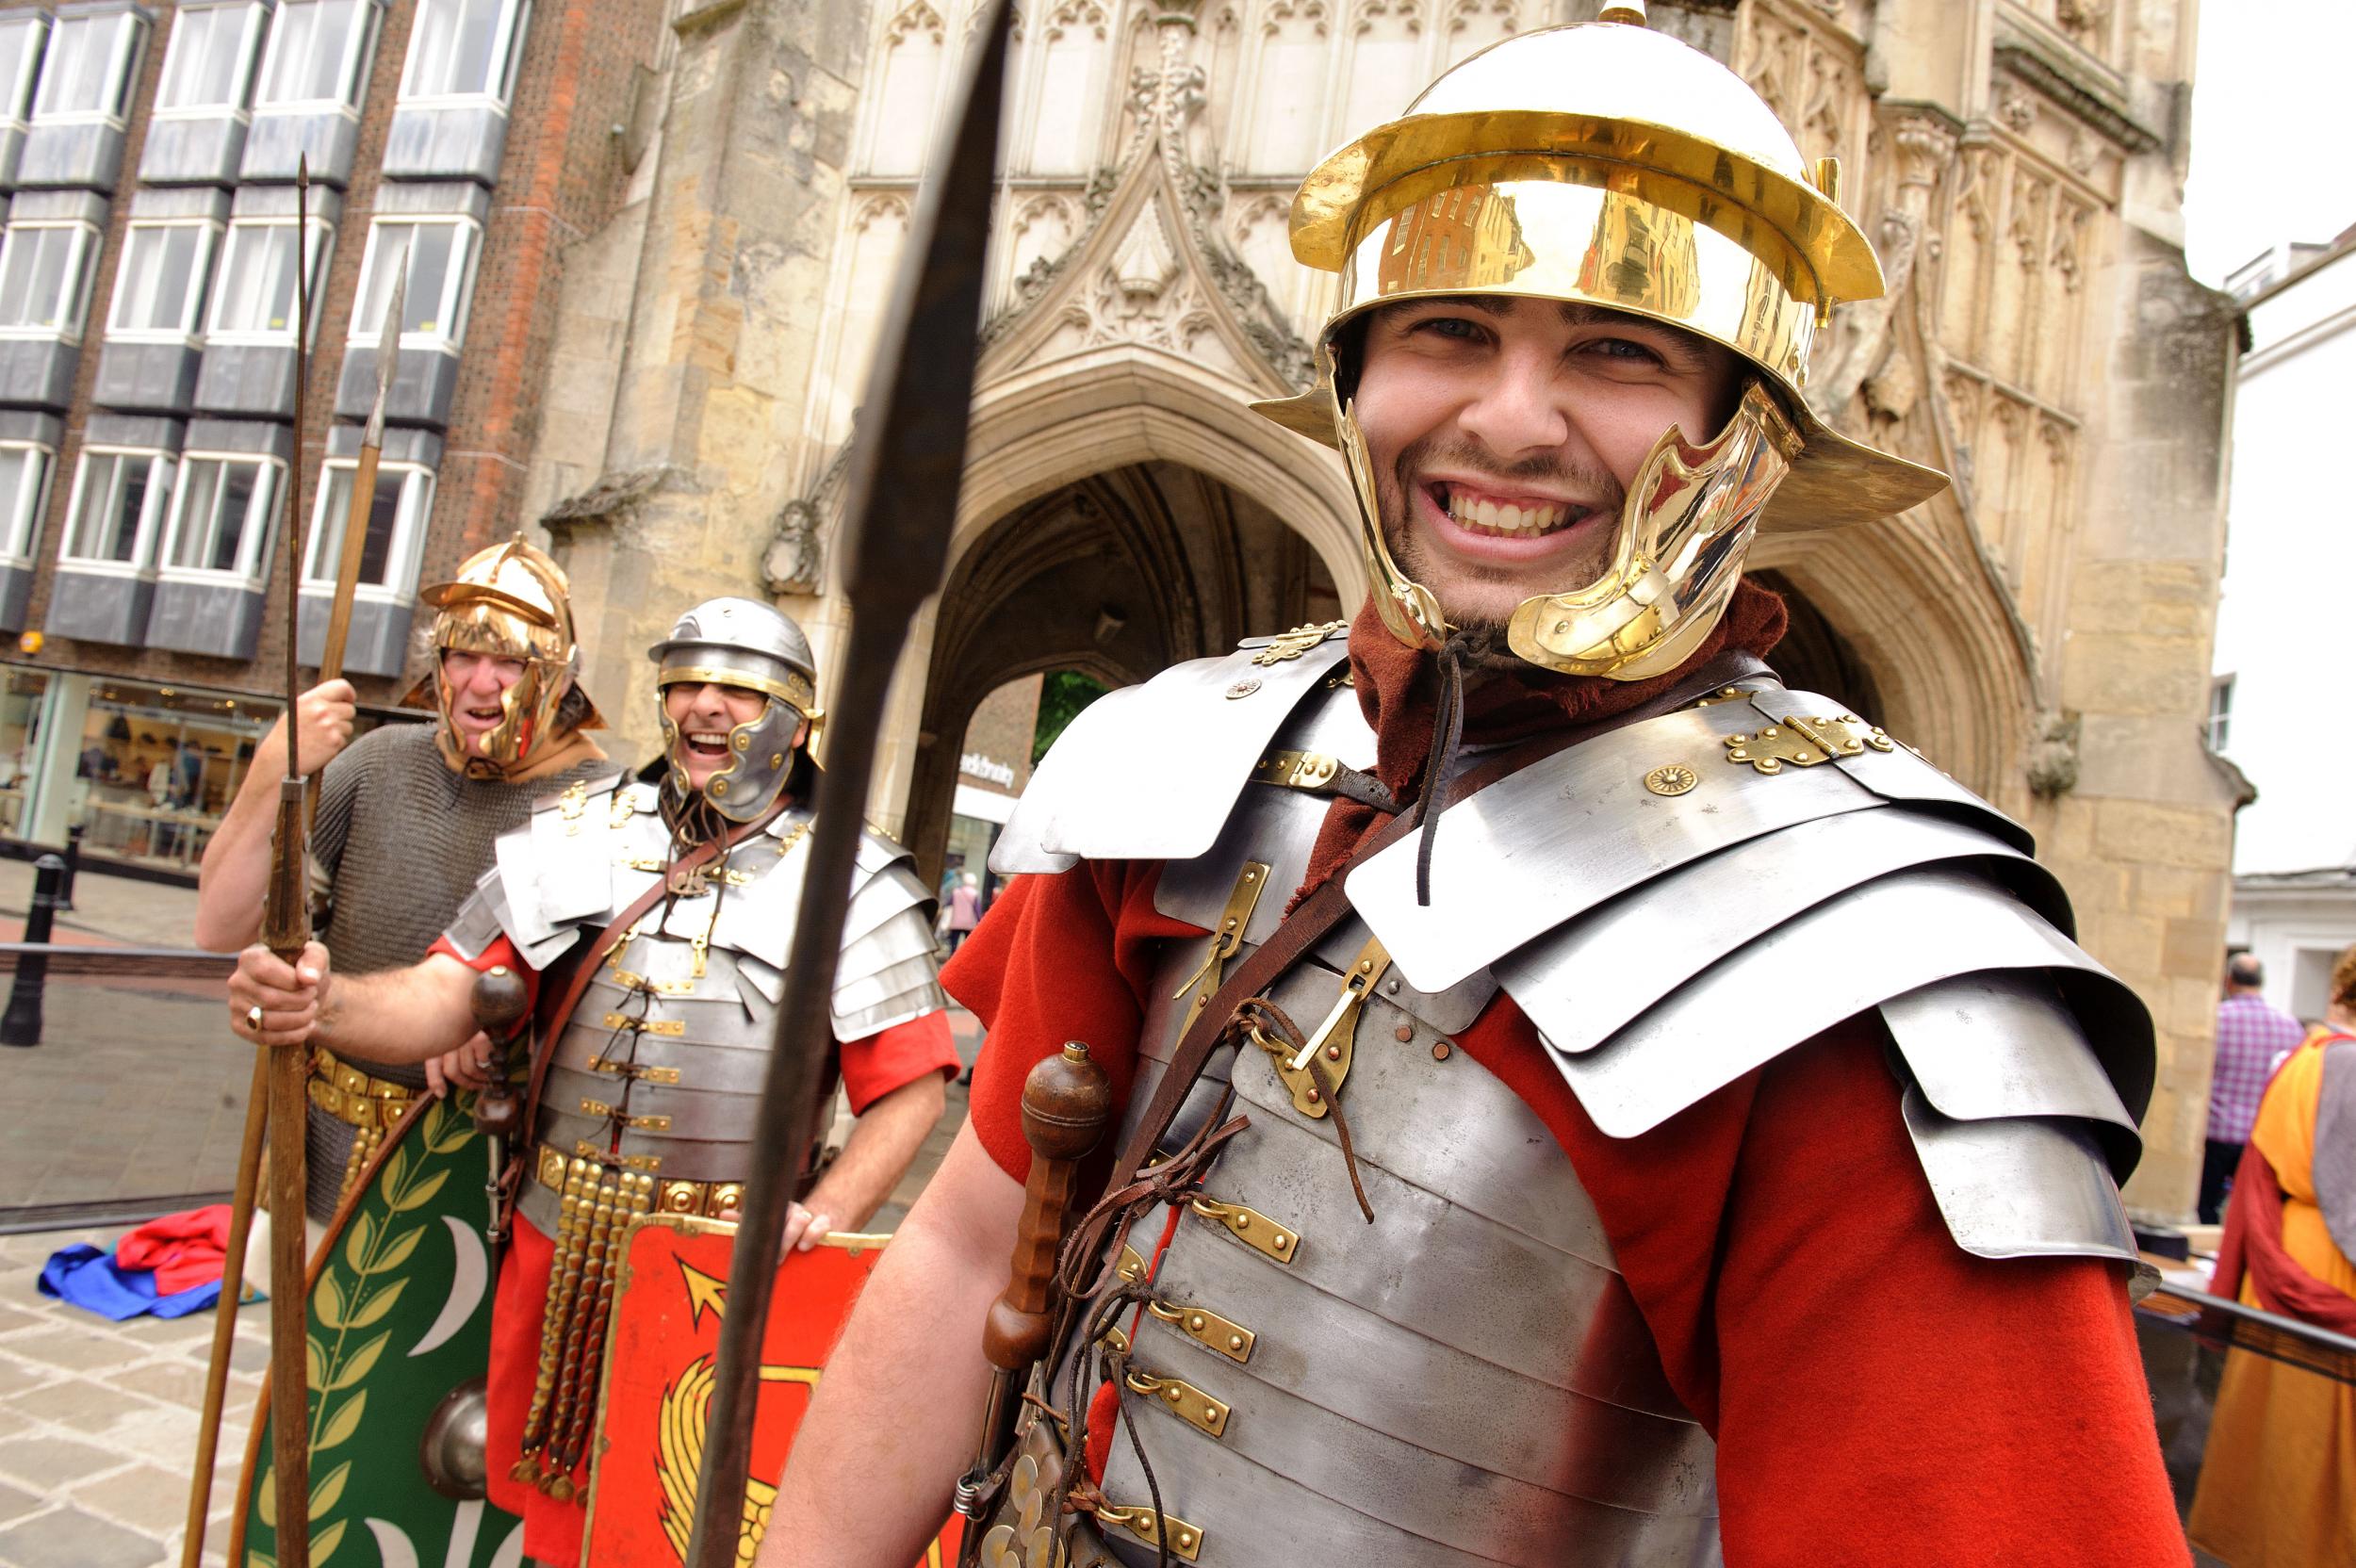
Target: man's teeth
{"type": "Point", "coordinates": [1507, 520]}
{"type": "Point", "coordinates": [705, 738]}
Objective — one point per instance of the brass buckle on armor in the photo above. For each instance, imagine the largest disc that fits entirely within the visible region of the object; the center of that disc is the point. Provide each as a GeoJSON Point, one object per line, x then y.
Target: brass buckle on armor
{"type": "Point", "coordinates": [1229, 1338]}
{"type": "Point", "coordinates": [668, 1027]}
{"type": "Point", "coordinates": [584, 1150]}
{"type": "Point", "coordinates": [572, 805]}
{"type": "Point", "coordinates": [632, 1072]}
{"type": "Point", "coordinates": [1250, 1227]}
{"type": "Point", "coordinates": [1185, 1542]}
{"type": "Point", "coordinates": [1336, 1040]}
{"type": "Point", "coordinates": [1185, 1401]}
{"type": "Point", "coordinates": [1242, 900]}
{"type": "Point", "coordinates": [637, 1123]}
{"type": "Point", "coordinates": [1804, 742]}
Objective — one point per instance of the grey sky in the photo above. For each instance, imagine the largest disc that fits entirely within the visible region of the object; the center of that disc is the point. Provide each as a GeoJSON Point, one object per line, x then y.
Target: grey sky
{"type": "Point", "coordinates": [2273, 129]}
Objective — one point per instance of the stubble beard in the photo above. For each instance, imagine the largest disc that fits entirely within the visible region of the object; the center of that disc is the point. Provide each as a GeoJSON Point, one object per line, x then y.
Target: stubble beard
{"type": "Point", "coordinates": [1479, 598]}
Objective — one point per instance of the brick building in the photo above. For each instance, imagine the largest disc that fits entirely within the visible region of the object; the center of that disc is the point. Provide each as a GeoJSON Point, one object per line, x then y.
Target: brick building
{"type": "Point", "coordinates": [148, 278]}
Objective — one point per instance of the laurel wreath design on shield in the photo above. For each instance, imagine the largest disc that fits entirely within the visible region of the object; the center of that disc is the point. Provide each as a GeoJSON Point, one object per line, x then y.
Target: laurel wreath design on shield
{"type": "Point", "coordinates": [357, 1289]}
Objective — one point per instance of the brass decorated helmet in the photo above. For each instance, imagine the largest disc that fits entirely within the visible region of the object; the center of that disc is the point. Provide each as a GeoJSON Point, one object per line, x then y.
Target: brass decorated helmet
{"type": "Point", "coordinates": [735, 642]}
{"type": "Point", "coordinates": [1610, 165]}
{"type": "Point", "coordinates": [509, 601]}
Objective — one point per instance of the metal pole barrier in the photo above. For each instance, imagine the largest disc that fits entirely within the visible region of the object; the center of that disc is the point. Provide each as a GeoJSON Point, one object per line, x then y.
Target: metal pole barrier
{"type": "Point", "coordinates": [73, 866]}
{"type": "Point", "coordinates": [21, 1023]}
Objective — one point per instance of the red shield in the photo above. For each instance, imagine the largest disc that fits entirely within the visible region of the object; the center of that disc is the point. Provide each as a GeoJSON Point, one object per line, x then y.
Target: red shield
{"type": "Point", "coordinates": [669, 1301]}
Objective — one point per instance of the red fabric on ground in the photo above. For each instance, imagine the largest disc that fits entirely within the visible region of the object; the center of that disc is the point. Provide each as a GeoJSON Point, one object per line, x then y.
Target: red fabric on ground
{"type": "Point", "coordinates": [185, 1249]}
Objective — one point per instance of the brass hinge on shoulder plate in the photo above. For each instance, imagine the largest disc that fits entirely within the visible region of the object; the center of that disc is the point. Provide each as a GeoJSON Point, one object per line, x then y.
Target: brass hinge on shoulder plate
{"type": "Point", "coordinates": [1296, 770]}
{"type": "Point", "coordinates": [1300, 640]}
{"type": "Point", "coordinates": [1804, 742]}
{"type": "Point", "coordinates": [1242, 900]}
{"type": "Point", "coordinates": [1332, 1045]}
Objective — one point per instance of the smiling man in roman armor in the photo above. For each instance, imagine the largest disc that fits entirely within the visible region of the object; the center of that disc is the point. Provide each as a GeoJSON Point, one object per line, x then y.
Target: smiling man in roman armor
{"type": "Point", "coordinates": [1579, 1101]}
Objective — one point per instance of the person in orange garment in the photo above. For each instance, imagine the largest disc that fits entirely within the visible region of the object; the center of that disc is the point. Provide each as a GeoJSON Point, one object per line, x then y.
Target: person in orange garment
{"type": "Point", "coordinates": [1578, 1101]}
{"type": "Point", "coordinates": [653, 1080]}
{"type": "Point", "coordinates": [2278, 1481]}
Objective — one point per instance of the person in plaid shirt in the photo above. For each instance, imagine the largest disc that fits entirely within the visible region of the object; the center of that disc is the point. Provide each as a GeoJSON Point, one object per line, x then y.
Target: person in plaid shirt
{"type": "Point", "coordinates": [2252, 1035]}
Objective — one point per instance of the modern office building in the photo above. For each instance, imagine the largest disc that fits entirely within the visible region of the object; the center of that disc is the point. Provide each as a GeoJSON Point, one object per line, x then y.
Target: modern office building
{"type": "Point", "coordinates": [155, 249]}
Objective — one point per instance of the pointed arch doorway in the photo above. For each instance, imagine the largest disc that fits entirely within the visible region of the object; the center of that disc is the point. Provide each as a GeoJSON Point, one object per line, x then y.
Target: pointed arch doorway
{"type": "Point", "coordinates": [1115, 575]}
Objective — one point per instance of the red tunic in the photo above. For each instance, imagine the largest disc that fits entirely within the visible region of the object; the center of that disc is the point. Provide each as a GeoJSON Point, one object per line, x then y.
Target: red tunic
{"type": "Point", "coordinates": [1878, 1394]}
{"type": "Point", "coordinates": [872, 1068]}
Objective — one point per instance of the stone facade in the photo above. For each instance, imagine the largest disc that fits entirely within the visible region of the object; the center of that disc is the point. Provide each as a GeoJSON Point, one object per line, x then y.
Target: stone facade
{"type": "Point", "coordinates": [2042, 631]}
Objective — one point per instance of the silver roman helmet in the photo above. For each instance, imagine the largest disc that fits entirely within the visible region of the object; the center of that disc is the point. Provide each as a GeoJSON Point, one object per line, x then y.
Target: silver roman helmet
{"type": "Point", "coordinates": [735, 642]}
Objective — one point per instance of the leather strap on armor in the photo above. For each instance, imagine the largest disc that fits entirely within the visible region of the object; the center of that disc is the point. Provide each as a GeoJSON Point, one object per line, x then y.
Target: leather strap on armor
{"type": "Point", "coordinates": [1325, 908]}
{"type": "Point", "coordinates": [553, 1030]}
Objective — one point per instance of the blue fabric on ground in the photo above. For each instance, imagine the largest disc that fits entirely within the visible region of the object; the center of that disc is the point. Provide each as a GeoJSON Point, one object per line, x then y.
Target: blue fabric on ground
{"type": "Point", "coordinates": [88, 1277]}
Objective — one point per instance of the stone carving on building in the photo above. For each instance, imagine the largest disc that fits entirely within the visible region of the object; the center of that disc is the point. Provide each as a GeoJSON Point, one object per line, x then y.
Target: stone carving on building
{"type": "Point", "coordinates": [613, 498]}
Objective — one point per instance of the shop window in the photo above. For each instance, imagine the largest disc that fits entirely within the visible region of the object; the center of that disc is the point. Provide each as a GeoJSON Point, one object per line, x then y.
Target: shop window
{"type": "Point", "coordinates": [254, 301]}
{"type": "Point", "coordinates": [86, 70]}
{"type": "Point", "coordinates": [158, 767]}
{"type": "Point", "coordinates": [209, 61]}
{"type": "Point", "coordinates": [314, 51]}
{"type": "Point", "coordinates": [24, 485]}
{"type": "Point", "coordinates": [160, 288]}
{"type": "Point", "coordinates": [44, 279]}
{"type": "Point", "coordinates": [21, 39]}
{"type": "Point", "coordinates": [117, 505]}
{"type": "Point", "coordinates": [437, 254]}
{"type": "Point", "coordinates": [220, 514]}
{"type": "Point", "coordinates": [397, 517]}
{"type": "Point", "coordinates": [464, 49]}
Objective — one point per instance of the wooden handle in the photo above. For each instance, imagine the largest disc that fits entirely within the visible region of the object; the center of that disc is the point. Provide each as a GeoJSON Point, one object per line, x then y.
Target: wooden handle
{"type": "Point", "coordinates": [500, 1003]}
{"type": "Point", "coordinates": [1067, 1101]}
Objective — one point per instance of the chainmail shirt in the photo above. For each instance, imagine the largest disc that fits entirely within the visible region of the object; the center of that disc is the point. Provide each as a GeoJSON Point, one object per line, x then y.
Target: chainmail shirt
{"type": "Point", "coordinates": [402, 839]}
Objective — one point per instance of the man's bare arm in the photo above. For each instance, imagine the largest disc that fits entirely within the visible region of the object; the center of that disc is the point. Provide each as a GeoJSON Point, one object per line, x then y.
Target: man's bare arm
{"type": "Point", "coordinates": [234, 872]}
{"type": "Point", "coordinates": [894, 1420]}
{"type": "Point", "coordinates": [401, 1015]}
{"type": "Point", "coordinates": [882, 1145]}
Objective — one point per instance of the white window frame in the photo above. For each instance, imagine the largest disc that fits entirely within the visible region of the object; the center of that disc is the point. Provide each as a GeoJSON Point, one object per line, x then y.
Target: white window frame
{"type": "Point", "coordinates": [253, 544]}
{"type": "Point", "coordinates": [515, 18]}
{"type": "Point", "coordinates": [192, 308]}
{"type": "Point", "coordinates": [248, 61]}
{"type": "Point", "coordinates": [457, 301]}
{"type": "Point", "coordinates": [77, 278]}
{"type": "Point", "coordinates": [320, 249]}
{"type": "Point", "coordinates": [162, 468]}
{"type": "Point", "coordinates": [122, 70]}
{"type": "Point", "coordinates": [19, 107]}
{"type": "Point", "coordinates": [414, 510]}
{"type": "Point", "coordinates": [21, 516]}
{"type": "Point", "coordinates": [352, 90]}
{"type": "Point", "coordinates": [2216, 729]}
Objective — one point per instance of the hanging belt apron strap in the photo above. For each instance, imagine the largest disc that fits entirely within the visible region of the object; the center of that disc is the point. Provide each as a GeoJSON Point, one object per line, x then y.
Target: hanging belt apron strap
{"type": "Point", "coordinates": [1325, 909]}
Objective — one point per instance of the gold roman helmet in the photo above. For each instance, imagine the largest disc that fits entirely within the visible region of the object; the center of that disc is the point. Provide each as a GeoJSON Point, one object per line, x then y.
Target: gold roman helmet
{"type": "Point", "coordinates": [1613, 166]}
{"type": "Point", "coordinates": [509, 601]}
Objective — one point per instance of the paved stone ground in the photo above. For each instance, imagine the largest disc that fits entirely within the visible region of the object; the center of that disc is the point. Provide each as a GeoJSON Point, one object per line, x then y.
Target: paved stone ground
{"type": "Point", "coordinates": [98, 1424]}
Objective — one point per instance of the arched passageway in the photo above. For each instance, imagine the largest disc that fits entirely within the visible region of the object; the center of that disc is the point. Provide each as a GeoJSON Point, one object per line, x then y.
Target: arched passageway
{"type": "Point", "coordinates": [1117, 574]}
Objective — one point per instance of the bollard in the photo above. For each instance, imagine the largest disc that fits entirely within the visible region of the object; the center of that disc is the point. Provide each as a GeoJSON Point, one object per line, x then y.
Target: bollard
{"type": "Point", "coordinates": [21, 1023]}
{"type": "Point", "coordinates": [72, 865]}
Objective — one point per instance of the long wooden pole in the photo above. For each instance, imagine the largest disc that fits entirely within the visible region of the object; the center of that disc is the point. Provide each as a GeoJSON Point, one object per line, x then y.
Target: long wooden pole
{"type": "Point", "coordinates": [275, 1101]}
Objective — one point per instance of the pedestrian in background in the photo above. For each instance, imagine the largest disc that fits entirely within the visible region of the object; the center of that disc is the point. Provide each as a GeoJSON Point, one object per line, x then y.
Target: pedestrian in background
{"type": "Point", "coordinates": [2252, 1035]}
{"type": "Point", "coordinates": [965, 908]}
{"type": "Point", "coordinates": [2278, 1486]}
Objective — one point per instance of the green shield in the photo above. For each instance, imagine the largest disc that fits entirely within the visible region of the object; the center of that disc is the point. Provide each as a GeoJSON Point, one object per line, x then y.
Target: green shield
{"type": "Point", "coordinates": [399, 1316]}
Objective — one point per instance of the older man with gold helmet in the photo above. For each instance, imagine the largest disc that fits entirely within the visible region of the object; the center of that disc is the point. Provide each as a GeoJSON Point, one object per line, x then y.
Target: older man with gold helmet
{"type": "Point", "coordinates": [1580, 1101]}
{"type": "Point", "coordinates": [408, 815]}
